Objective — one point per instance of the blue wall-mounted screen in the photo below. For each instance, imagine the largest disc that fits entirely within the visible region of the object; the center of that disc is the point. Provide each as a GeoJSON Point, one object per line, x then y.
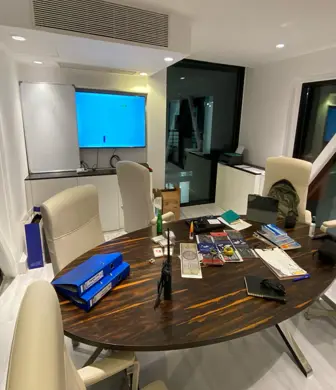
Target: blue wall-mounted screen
{"type": "Point", "coordinates": [110, 120]}
{"type": "Point", "coordinates": [330, 129]}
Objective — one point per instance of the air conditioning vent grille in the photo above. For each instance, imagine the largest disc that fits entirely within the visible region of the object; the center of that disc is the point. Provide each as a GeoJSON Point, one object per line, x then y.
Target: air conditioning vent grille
{"type": "Point", "coordinates": [103, 18]}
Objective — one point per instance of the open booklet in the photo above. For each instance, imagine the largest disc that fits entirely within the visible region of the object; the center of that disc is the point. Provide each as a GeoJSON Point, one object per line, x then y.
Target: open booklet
{"type": "Point", "coordinates": [238, 225]}
{"type": "Point", "coordinates": [283, 266]}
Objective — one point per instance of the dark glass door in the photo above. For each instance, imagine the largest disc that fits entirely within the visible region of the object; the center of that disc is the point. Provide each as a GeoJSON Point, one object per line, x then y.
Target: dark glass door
{"type": "Point", "coordinates": [317, 119]}
{"type": "Point", "coordinates": [316, 127]}
{"type": "Point", "coordinates": [203, 119]}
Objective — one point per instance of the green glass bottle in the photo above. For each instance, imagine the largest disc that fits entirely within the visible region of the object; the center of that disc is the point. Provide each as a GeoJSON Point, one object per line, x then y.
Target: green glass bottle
{"type": "Point", "coordinates": [159, 223]}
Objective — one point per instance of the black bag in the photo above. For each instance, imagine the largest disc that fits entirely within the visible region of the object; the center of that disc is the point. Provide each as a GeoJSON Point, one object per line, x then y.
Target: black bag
{"type": "Point", "coordinates": [289, 200]}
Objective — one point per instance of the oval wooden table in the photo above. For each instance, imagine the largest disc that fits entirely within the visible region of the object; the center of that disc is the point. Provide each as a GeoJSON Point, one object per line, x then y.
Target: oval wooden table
{"type": "Point", "coordinates": [202, 311]}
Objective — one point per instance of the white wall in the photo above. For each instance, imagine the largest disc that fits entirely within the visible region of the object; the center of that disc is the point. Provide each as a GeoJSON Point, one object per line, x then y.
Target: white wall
{"type": "Point", "coordinates": [156, 115]}
{"type": "Point", "coordinates": [13, 167]}
{"type": "Point", "coordinates": [154, 86]}
{"type": "Point", "coordinates": [271, 103]}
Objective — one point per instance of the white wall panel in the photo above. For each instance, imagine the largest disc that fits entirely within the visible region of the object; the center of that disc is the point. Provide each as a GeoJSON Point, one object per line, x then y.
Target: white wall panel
{"type": "Point", "coordinates": [49, 116]}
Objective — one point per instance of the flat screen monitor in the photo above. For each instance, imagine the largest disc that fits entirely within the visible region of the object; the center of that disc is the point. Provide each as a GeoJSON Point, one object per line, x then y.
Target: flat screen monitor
{"type": "Point", "coordinates": [110, 119]}
{"type": "Point", "coordinates": [330, 129]}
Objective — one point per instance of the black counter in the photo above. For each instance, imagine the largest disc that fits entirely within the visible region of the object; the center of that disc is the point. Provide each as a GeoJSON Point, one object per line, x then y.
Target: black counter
{"type": "Point", "coordinates": [68, 174]}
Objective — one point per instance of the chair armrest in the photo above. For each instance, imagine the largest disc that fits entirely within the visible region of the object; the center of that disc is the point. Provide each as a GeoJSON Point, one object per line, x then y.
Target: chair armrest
{"type": "Point", "coordinates": [328, 225]}
{"type": "Point", "coordinates": [107, 367]}
{"type": "Point", "coordinates": [308, 217]}
{"type": "Point", "coordinates": [168, 217]}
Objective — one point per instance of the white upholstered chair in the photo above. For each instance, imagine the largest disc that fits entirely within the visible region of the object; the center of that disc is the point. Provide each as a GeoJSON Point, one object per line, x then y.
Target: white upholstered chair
{"type": "Point", "coordinates": [297, 172]}
{"type": "Point", "coordinates": [71, 224]}
{"type": "Point", "coordinates": [328, 225]}
{"type": "Point", "coordinates": [135, 188]}
{"type": "Point", "coordinates": [39, 359]}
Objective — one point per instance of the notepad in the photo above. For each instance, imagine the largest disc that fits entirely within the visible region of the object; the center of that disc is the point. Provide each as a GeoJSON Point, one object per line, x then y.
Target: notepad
{"type": "Point", "coordinates": [254, 288]}
{"type": "Point", "coordinates": [230, 216]}
{"type": "Point", "coordinates": [283, 266]}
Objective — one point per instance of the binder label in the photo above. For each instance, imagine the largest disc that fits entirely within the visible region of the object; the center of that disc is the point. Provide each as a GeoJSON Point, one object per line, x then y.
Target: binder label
{"type": "Point", "coordinates": [101, 293]}
{"type": "Point", "coordinates": [93, 280]}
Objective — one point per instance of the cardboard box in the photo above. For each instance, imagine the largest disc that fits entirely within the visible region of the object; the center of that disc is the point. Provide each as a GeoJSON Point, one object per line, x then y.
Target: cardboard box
{"type": "Point", "coordinates": [171, 201]}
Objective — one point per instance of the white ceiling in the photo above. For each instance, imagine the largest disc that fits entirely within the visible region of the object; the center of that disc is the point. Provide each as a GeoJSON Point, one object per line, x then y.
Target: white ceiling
{"type": "Point", "coordinates": [245, 32]}
{"type": "Point", "coordinates": [52, 48]}
{"type": "Point", "coordinates": [240, 32]}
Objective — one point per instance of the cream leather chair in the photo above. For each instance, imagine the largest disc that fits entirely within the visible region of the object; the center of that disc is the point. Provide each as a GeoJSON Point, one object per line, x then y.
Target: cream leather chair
{"type": "Point", "coordinates": [328, 225]}
{"type": "Point", "coordinates": [71, 224]}
{"type": "Point", "coordinates": [135, 188]}
{"type": "Point", "coordinates": [296, 172]}
{"type": "Point", "coordinates": [39, 359]}
{"type": "Point", "coordinates": [72, 227]}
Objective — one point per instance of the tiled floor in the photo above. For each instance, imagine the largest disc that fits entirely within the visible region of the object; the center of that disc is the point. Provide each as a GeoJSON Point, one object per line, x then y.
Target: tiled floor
{"type": "Point", "coordinates": [257, 362]}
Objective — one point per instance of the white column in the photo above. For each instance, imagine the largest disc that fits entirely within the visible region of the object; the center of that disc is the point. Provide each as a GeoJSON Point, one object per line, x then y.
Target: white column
{"type": "Point", "coordinates": [156, 126]}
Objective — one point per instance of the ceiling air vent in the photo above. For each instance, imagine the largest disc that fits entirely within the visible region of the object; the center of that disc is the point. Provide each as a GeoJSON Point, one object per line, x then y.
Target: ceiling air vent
{"type": "Point", "coordinates": [93, 68]}
{"type": "Point", "coordinates": [103, 19]}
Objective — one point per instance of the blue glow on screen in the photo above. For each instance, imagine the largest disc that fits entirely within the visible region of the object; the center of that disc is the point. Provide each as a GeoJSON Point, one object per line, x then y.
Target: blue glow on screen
{"type": "Point", "coordinates": [330, 129]}
{"type": "Point", "coordinates": [107, 120]}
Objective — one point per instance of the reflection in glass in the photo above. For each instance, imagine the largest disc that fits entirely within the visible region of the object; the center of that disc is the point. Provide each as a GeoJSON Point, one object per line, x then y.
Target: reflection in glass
{"type": "Point", "coordinates": [202, 109]}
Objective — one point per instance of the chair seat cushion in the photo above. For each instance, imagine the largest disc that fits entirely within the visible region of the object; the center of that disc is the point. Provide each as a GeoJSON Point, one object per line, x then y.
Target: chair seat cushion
{"type": "Point", "coordinates": [158, 385]}
{"type": "Point", "coordinates": [107, 367]}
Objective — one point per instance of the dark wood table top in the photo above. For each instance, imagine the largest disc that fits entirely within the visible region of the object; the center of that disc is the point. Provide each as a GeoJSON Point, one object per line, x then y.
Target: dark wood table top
{"type": "Point", "coordinates": [203, 311]}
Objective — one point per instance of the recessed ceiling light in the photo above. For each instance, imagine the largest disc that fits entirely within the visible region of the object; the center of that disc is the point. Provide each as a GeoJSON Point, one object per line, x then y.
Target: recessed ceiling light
{"type": "Point", "coordinates": [38, 62]}
{"type": "Point", "coordinates": [18, 38]}
{"type": "Point", "coordinates": [169, 59]}
{"type": "Point", "coordinates": [280, 46]}
{"type": "Point", "coordinates": [182, 78]}
{"type": "Point", "coordinates": [143, 74]}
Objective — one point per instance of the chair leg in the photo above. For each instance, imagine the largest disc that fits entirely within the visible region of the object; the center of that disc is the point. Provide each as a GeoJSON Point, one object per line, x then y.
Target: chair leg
{"type": "Point", "coordinates": [75, 344]}
{"type": "Point", "coordinates": [315, 313]}
{"type": "Point", "coordinates": [93, 357]}
{"type": "Point", "coordinates": [322, 311]}
{"type": "Point", "coordinates": [134, 375]}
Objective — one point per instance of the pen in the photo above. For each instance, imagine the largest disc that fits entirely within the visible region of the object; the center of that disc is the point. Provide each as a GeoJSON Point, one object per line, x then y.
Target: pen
{"type": "Point", "coordinates": [191, 231]}
{"type": "Point", "coordinates": [301, 278]}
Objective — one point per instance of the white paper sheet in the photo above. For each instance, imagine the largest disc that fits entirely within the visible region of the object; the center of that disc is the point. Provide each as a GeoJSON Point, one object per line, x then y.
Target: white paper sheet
{"type": "Point", "coordinates": [282, 264]}
{"type": "Point", "coordinates": [248, 168]}
{"type": "Point", "coordinates": [255, 170]}
{"type": "Point", "coordinates": [240, 149]}
{"type": "Point", "coordinates": [238, 225]}
{"type": "Point", "coordinates": [242, 166]}
{"type": "Point", "coordinates": [190, 264]}
{"type": "Point", "coordinates": [214, 221]}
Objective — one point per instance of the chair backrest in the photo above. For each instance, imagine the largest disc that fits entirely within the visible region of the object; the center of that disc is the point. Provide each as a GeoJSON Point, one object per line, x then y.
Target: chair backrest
{"type": "Point", "coordinates": [296, 171]}
{"type": "Point", "coordinates": [71, 224]}
{"type": "Point", "coordinates": [134, 184]}
{"type": "Point", "coordinates": [38, 359]}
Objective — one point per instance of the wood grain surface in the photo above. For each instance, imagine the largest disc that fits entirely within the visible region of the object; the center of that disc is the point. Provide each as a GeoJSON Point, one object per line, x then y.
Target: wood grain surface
{"type": "Point", "coordinates": [206, 311]}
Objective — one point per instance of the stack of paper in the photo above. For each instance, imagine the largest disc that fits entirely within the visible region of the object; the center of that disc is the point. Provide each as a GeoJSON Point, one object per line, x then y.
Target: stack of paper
{"type": "Point", "coordinates": [278, 237]}
{"type": "Point", "coordinates": [283, 266]}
